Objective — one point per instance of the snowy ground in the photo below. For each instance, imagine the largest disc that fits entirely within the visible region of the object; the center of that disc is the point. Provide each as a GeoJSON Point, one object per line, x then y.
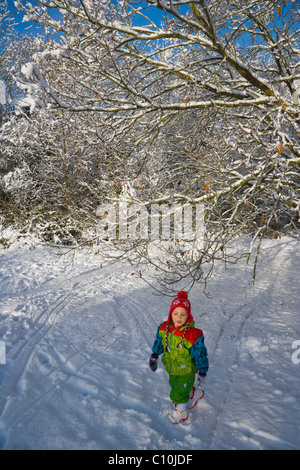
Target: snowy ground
{"type": "Point", "coordinates": [78, 339]}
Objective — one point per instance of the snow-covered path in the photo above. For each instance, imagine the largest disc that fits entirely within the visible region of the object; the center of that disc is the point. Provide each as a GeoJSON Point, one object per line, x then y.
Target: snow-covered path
{"type": "Point", "coordinates": [78, 339]}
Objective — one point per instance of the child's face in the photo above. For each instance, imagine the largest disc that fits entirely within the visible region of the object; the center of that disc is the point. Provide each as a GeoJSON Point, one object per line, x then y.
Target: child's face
{"type": "Point", "coordinates": [179, 317]}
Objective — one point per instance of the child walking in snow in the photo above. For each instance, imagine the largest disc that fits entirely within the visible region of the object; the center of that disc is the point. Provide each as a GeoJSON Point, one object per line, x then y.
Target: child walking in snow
{"type": "Point", "coordinates": [184, 356]}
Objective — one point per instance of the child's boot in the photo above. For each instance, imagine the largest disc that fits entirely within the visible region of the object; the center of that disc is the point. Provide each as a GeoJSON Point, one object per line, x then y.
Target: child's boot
{"type": "Point", "coordinates": [196, 395]}
{"type": "Point", "coordinates": [179, 413]}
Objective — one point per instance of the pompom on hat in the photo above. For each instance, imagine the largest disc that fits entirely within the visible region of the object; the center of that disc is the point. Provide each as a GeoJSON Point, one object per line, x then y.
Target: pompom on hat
{"type": "Point", "coordinates": [181, 301]}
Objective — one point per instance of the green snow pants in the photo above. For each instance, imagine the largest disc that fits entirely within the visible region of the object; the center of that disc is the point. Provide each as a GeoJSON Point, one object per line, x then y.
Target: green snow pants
{"type": "Point", "coordinates": [181, 387]}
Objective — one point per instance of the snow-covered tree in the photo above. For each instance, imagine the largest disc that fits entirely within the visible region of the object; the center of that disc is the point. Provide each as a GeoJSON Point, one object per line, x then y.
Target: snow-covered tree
{"type": "Point", "coordinates": [232, 66]}
{"type": "Point", "coordinates": [5, 35]}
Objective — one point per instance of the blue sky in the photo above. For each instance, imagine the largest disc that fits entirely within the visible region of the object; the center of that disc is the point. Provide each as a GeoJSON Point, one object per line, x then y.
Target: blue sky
{"type": "Point", "coordinates": [21, 27]}
{"type": "Point", "coordinates": [156, 16]}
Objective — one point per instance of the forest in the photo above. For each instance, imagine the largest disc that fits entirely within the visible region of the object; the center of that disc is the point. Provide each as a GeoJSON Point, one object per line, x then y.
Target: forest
{"type": "Point", "coordinates": [156, 103]}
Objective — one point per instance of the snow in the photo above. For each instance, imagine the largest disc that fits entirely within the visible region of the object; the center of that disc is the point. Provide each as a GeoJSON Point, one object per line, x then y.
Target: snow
{"type": "Point", "coordinates": [78, 339]}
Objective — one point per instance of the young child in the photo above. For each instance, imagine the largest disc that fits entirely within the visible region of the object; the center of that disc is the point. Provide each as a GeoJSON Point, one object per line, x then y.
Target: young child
{"type": "Point", "coordinates": [184, 353]}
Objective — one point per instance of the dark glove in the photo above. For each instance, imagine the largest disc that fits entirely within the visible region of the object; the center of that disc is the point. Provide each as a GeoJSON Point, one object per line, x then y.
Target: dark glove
{"type": "Point", "coordinates": [201, 379]}
{"type": "Point", "coordinates": [153, 362]}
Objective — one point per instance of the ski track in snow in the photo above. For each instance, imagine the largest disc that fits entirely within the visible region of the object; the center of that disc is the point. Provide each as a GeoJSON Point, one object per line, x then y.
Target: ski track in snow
{"type": "Point", "coordinates": [78, 340]}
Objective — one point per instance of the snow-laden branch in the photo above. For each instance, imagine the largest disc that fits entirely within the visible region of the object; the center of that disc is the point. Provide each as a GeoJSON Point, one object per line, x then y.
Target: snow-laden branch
{"type": "Point", "coordinates": [205, 101]}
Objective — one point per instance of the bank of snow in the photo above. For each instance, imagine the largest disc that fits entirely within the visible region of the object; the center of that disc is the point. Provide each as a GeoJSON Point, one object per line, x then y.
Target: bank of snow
{"type": "Point", "coordinates": [78, 338]}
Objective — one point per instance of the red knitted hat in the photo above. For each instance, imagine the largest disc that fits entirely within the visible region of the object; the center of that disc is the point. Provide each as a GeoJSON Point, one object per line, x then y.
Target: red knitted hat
{"type": "Point", "coordinates": [181, 301]}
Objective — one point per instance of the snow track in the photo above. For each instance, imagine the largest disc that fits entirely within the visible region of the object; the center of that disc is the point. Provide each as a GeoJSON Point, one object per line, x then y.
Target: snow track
{"type": "Point", "coordinates": [78, 340]}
